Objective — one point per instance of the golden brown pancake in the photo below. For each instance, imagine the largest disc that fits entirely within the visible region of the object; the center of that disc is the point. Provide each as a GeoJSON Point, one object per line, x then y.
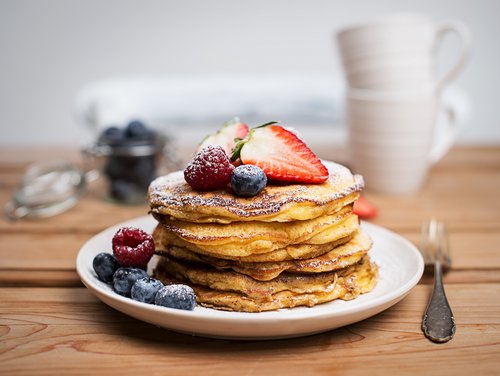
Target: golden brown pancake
{"type": "Point", "coordinates": [171, 196]}
{"type": "Point", "coordinates": [337, 258]}
{"type": "Point", "coordinates": [237, 292]}
{"type": "Point", "coordinates": [291, 245]}
{"type": "Point", "coordinates": [291, 252]}
{"type": "Point", "coordinates": [240, 239]}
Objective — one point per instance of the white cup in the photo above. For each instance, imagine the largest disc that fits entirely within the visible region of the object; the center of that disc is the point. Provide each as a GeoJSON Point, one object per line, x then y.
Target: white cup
{"type": "Point", "coordinates": [393, 138]}
{"type": "Point", "coordinates": [398, 51]}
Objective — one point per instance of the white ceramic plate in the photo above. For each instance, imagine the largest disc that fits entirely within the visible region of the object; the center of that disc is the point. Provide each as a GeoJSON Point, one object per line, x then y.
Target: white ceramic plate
{"type": "Point", "coordinates": [400, 263]}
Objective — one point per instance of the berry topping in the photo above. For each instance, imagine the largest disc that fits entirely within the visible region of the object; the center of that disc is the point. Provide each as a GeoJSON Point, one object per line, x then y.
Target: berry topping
{"type": "Point", "coordinates": [364, 209]}
{"type": "Point", "coordinates": [113, 135]}
{"type": "Point", "coordinates": [145, 289]}
{"type": "Point", "coordinates": [136, 130]}
{"type": "Point", "coordinates": [209, 170]}
{"type": "Point", "coordinates": [131, 163]}
{"type": "Point", "coordinates": [225, 137]}
{"type": "Point", "coordinates": [281, 155]}
{"type": "Point", "coordinates": [176, 296]}
{"type": "Point", "coordinates": [133, 247]}
{"type": "Point", "coordinates": [124, 279]}
{"type": "Point", "coordinates": [105, 265]}
{"type": "Point", "coordinates": [248, 180]}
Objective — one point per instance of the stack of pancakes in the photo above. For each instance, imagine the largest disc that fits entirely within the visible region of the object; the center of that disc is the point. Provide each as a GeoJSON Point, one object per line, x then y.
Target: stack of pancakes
{"type": "Point", "coordinates": [291, 245]}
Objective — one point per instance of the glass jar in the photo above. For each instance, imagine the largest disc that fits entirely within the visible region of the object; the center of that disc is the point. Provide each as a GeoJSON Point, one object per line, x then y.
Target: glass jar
{"type": "Point", "coordinates": [129, 164]}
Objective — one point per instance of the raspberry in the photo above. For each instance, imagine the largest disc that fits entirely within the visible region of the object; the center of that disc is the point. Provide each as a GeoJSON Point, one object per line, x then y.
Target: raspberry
{"type": "Point", "coordinates": [209, 170]}
{"type": "Point", "coordinates": [133, 247]}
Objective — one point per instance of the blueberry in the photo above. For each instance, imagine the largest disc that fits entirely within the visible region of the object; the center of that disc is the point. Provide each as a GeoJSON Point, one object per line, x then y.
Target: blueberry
{"type": "Point", "coordinates": [145, 289]}
{"type": "Point", "coordinates": [176, 296]}
{"type": "Point", "coordinates": [105, 265]}
{"type": "Point", "coordinates": [112, 131]}
{"type": "Point", "coordinates": [113, 135]}
{"type": "Point", "coordinates": [124, 278]}
{"type": "Point", "coordinates": [248, 180]}
{"type": "Point", "coordinates": [138, 131]}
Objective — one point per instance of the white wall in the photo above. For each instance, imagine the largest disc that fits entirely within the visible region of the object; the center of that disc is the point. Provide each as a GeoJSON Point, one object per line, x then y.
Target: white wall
{"type": "Point", "coordinates": [50, 49]}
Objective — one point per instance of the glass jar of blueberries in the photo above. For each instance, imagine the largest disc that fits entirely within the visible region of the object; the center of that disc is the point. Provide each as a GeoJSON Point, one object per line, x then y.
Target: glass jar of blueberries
{"type": "Point", "coordinates": [129, 157]}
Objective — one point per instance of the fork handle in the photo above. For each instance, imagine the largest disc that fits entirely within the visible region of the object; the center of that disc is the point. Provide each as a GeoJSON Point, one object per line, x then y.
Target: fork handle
{"type": "Point", "coordinates": [438, 323]}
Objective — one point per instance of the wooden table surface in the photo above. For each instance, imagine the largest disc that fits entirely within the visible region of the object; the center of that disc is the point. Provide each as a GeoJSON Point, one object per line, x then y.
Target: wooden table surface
{"type": "Point", "coordinates": [49, 322]}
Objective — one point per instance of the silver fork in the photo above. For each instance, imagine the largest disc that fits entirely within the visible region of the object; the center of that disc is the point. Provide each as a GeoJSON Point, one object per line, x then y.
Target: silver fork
{"type": "Point", "coordinates": [438, 323]}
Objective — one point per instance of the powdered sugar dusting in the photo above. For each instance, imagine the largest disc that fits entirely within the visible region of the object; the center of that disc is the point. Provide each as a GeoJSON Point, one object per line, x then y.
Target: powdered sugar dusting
{"type": "Point", "coordinates": [208, 157]}
{"type": "Point", "coordinates": [182, 292]}
{"type": "Point", "coordinates": [210, 169]}
{"type": "Point", "coordinates": [250, 170]}
{"type": "Point", "coordinates": [172, 191]}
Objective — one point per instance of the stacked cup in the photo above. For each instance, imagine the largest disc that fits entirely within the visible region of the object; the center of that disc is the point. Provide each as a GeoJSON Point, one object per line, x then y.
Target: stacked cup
{"type": "Point", "coordinates": [393, 98]}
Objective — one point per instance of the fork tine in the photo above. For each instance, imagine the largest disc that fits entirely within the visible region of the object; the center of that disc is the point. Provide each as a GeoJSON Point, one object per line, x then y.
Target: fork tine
{"type": "Point", "coordinates": [434, 235]}
{"type": "Point", "coordinates": [439, 241]}
{"type": "Point", "coordinates": [429, 240]}
{"type": "Point", "coordinates": [444, 246]}
{"type": "Point", "coordinates": [434, 243]}
{"type": "Point", "coordinates": [424, 241]}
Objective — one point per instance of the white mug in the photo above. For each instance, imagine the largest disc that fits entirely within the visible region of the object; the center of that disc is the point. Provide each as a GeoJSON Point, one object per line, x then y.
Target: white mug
{"type": "Point", "coordinates": [393, 138]}
{"type": "Point", "coordinates": [398, 51]}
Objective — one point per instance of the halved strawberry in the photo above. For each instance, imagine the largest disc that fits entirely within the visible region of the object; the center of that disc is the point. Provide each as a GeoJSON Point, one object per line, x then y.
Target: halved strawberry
{"type": "Point", "coordinates": [232, 130]}
{"type": "Point", "coordinates": [364, 209]}
{"type": "Point", "coordinates": [281, 155]}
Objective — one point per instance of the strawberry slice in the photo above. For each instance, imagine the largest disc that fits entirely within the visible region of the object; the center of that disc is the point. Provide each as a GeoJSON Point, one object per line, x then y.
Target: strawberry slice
{"type": "Point", "coordinates": [281, 155]}
{"type": "Point", "coordinates": [364, 209]}
{"type": "Point", "coordinates": [225, 137]}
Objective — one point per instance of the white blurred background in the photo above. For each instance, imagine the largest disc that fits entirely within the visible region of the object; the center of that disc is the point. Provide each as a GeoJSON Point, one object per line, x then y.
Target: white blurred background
{"type": "Point", "coordinates": [50, 50]}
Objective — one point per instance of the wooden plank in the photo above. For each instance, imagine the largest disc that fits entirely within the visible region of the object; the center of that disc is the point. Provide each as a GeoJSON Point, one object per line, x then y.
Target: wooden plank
{"type": "Point", "coordinates": [48, 251]}
{"type": "Point", "coordinates": [400, 214]}
{"type": "Point", "coordinates": [69, 278]}
{"type": "Point", "coordinates": [471, 157]}
{"type": "Point", "coordinates": [464, 194]}
{"type": "Point", "coordinates": [49, 259]}
{"type": "Point", "coordinates": [32, 251]}
{"type": "Point", "coordinates": [469, 250]}
{"type": "Point", "coordinates": [465, 201]}
{"type": "Point", "coordinates": [39, 278]}
{"type": "Point", "coordinates": [471, 276]}
{"type": "Point", "coordinates": [89, 216]}
{"type": "Point", "coordinates": [67, 330]}
{"type": "Point", "coordinates": [454, 198]}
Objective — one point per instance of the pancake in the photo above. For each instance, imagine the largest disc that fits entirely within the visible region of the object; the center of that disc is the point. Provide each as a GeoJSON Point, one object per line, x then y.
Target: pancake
{"type": "Point", "coordinates": [338, 257]}
{"type": "Point", "coordinates": [239, 239]}
{"type": "Point", "coordinates": [291, 252]}
{"type": "Point", "coordinates": [171, 196]}
{"type": "Point", "coordinates": [237, 292]}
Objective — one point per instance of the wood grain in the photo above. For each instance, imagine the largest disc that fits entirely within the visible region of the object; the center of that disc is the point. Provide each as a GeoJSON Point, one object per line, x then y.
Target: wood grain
{"type": "Point", "coordinates": [55, 330]}
{"type": "Point", "coordinates": [49, 259]}
{"type": "Point", "coordinates": [465, 198]}
{"type": "Point", "coordinates": [50, 324]}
